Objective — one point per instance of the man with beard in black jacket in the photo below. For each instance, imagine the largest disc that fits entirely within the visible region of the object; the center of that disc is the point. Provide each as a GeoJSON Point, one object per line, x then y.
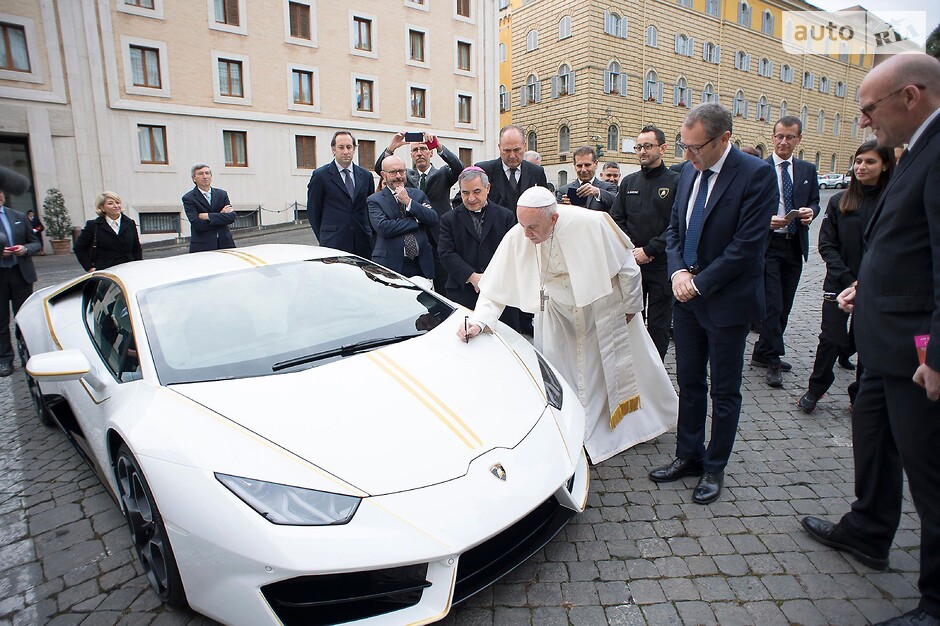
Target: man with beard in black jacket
{"type": "Point", "coordinates": [642, 209]}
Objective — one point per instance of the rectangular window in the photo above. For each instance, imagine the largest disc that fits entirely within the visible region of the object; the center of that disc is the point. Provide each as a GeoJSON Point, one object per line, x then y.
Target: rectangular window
{"type": "Point", "coordinates": [230, 78]}
{"type": "Point", "coordinates": [466, 156]}
{"type": "Point", "coordinates": [236, 148]}
{"type": "Point", "coordinates": [464, 105]}
{"type": "Point", "coordinates": [306, 146]}
{"type": "Point", "coordinates": [418, 102]}
{"type": "Point", "coordinates": [157, 223]}
{"type": "Point", "coordinates": [299, 20]}
{"type": "Point", "coordinates": [362, 28]}
{"type": "Point", "coordinates": [416, 45]}
{"type": "Point", "coordinates": [226, 12]}
{"type": "Point", "coordinates": [366, 149]}
{"type": "Point", "coordinates": [152, 143]}
{"type": "Point", "coordinates": [145, 67]}
{"type": "Point", "coordinates": [363, 95]}
{"type": "Point", "coordinates": [13, 55]}
{"type": "Point", "coordinates": [463, 56]}
{"type": "Point", "coordinates": [143, 4]}
{"type": "Point", "coordinates": [463, 8]}
{"type": "Point", "coordinates": [303, 87]}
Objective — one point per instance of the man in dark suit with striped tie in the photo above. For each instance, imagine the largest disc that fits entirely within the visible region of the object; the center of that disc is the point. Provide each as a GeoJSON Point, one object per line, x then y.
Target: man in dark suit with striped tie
{"type": "Point", "coordinates": [209, 212]}
{"type": "Point", "coordinates": [715, 252]}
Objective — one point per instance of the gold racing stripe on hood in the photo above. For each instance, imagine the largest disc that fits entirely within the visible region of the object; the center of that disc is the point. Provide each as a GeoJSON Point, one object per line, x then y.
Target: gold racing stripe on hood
{"type": "Point", "coordinates": [424, 395]}
{"type": "Point", "coordinates": [244, 256]}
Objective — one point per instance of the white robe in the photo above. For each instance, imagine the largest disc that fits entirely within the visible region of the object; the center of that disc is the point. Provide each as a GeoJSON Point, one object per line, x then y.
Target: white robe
{"type": "Point", "coordinates": [592, 281]}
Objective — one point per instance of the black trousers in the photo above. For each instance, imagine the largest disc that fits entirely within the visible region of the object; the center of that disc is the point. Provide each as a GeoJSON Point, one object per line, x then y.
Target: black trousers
{"type": "Point", "coordinates": [657, 304]}
{"type": "Point", "coordinates": [782, 270]}
{"type": "Point", "coordinates": [896, 427]}
{"type": "Point", "coordinates": [13, 293]}
{"type": "Point", "coordinates": [700, 346]}
{"type": "Point", "coordinates": [836, 338]}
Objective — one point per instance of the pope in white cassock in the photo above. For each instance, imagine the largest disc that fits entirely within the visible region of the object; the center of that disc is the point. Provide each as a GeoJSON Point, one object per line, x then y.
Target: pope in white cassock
{"type": "Point", "coordinates": [574, 269]}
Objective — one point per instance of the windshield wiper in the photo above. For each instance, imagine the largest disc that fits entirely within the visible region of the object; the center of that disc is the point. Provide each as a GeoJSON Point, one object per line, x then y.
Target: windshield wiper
{"type": "Point", "coordinates": [347, 350]}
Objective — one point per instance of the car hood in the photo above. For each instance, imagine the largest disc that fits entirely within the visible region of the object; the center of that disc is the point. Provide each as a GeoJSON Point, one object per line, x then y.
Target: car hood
{"type": "Point", "coordinates": [402, 417]}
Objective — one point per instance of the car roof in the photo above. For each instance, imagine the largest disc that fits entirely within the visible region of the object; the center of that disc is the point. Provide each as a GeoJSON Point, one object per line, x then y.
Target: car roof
{"type": "Point", "coordinates": [148, 273]}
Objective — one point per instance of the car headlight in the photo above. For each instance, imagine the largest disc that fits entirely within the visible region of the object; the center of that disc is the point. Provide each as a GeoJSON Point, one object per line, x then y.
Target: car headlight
{"type": "Point", "coordinates": [292, 506]}
{"type": "Point", "coordinates": [552, 387]}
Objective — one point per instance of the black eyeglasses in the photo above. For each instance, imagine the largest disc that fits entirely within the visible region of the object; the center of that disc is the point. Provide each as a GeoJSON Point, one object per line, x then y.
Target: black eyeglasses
{"type": "Point", "coordinates": [694, 150]}
{"type": "Point", "coordinates": [868, 109]}
{"type": "Point", "coordinates": [645, 146]}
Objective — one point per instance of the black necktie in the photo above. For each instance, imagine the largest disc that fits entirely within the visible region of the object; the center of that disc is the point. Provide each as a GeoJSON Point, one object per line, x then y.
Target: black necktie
{"type": "Point", "coordinates": [512, 179]}
{"type": "Point", "coordinates": [422, 184]}
{"type": "Point", "coordinates": [350, 185]}
{"type": "Point", "coordinates": [788, 196]}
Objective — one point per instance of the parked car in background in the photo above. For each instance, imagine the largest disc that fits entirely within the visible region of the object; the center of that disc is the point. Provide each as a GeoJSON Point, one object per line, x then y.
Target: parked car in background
{"type": "Point", "coordinates": [832, 180]}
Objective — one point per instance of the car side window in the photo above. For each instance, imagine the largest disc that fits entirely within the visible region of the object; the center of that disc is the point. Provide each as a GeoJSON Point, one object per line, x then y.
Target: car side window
{"type": "Point", "coordinates": [109, 326]}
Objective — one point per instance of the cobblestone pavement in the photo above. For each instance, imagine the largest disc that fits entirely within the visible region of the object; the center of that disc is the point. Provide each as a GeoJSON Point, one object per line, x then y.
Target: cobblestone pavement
{"type": "Point", "coordinates": [641, 553]}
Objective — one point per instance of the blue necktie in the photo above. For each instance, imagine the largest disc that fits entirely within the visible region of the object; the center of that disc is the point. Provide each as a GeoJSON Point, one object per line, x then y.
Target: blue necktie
{"type": "Point", "coordinates": [694, 230]}
{"type": "Point", "coordinates": [350, 185]}
{"type": "Point", "coordinates": [7, 261]}
{"type": "Point", "coordinates": [788, 196]}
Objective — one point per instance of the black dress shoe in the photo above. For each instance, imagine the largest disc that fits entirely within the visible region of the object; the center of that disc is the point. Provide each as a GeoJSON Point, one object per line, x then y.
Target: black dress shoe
{"type": "Point", "coordinates": [774, 378]}
{"type": "Point", "coordinates": [676, 470]}
{"type": "Point", "coordinates": [832, 535]}
{"type": "Point", "coordinates": [917, 617]}
{"type": "Point", "coordinates": [846, 364]}
{"type": "Point", "coordinates": [807, 402]}
{"type": "Point", "coordinates": [6, 369]}
{"type": "Point", "coordinates": [708, 488]}
{"type": "Point", "coordinates": [784, 366]}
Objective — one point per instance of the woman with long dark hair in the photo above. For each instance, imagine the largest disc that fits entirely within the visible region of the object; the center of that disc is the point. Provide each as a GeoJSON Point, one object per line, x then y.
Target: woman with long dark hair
{"type": "Point", "coordinates": [840, 245]}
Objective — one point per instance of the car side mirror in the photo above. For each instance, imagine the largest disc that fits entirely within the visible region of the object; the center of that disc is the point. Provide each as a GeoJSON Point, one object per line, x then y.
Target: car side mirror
{"type": "Point", "coordinates": [62, 366]}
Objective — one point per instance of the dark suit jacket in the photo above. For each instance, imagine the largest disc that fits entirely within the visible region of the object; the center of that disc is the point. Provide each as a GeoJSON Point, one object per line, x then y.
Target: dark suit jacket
{"type": "Point", "coordinates": [462, 251]}
{"type": "Point", "coordinates": [438, 183]}
{"type": "Point", "coordinates": [391, 228]}
{"type": "Point", "coordinates": [111, 249]}
{"type": "Point", "coordinates": [530, 175]}
{"type": "Point", "coordinates": [898, 294]}
{"type": "Point", "coordinates": [213, 233]}
{"type": "Point", "coordinates": [337, 220]}
{"type": "Point", "coordinates": [606, 200]}
{"type": "Point", "coordinates": [734, 236]}
{"type": "Point", "coordinates": [805, 193]}
{"type": "Point", "coordinates": [23, 235]}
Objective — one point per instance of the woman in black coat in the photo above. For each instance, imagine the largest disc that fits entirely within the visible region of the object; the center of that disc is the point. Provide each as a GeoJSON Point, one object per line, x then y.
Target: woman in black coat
{"type": "Point", "coordinates": [840, 245]}
{"type": "Point", "coordinates": [110, 239]}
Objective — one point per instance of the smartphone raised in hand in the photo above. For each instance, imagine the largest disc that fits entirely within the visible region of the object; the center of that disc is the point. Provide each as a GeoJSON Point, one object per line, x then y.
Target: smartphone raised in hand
{"type": "Point", "coordinates": [414, 137]}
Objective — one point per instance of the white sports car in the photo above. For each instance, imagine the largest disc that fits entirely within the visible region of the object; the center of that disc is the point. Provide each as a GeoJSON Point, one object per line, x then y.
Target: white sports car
{"type": "Point", "coordinates": [297, 436]}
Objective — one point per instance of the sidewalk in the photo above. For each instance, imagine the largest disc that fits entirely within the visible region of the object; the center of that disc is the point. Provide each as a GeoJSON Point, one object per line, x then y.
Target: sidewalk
{"type": "Point", "coordinates": [641, 553]}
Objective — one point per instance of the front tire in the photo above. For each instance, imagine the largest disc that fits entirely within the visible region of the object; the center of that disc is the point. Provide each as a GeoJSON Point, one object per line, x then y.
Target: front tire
{"type": "Point", "coordinates": [35, 393]}
{"type": "Point", "coordinates": [147, 530]}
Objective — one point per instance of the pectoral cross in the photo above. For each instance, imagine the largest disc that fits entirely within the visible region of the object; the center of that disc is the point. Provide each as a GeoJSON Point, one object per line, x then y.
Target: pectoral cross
{"type": "Point", "coordinates": [543, 298]}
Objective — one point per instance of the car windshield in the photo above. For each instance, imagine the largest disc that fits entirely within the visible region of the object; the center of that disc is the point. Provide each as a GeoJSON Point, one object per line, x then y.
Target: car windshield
{"type": "Point", "coordinates": [281, 318]}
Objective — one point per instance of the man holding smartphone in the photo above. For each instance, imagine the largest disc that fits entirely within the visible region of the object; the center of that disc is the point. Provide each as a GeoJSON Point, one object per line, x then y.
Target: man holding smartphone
{"type": "Point", "coordinates": [17, 273]}
{"type": "Point", "coordinates": [435, 182]}
{"type": "Point", "coordinates": [788, 246]}
{"type": "Point", "coordinates": [588, 190]}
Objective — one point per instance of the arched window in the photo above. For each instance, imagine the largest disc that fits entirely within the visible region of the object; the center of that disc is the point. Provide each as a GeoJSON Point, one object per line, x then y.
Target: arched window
{"type": "Point", "coordinates": [708, 93]}
{"type": "Point", "coordinates": [531, 40]}
{"type": "Point", "coordinates": [564, 139]}
{"type": "Point", "coordinates": [844, 52]}
{"type": "Point", "coordinates": [855, 128]}
{"type": "Point", "coordinates": [681, 93]}
{"type": "Point", "coordinates": [503, 99]}
{"type": "Point", "coordinates": [651, 36]}
{"type": "Point", "coordinates": [615, 25]}
{"type": "Point", "coordinates": [532, 141]}
{"type": "Point", "coordinates": [737, 105]}
{"type": "Point", "coordinates": [840, 89]}
{"type": "Point", "coordinates": [742, 60]}
{"type": "Point", "coordinates": [744, 14]}
{"type": "Point", "coordinates": [836, 124]}
{"type": "Point", "coordinates": [679, 153]}
{"type": "Point", "coordinates": [823, 85]}
{"type": "Point", "coordinates": [613, 138]}
{"type": "Point", "coordinates": [820, 121]}
{"type": "Point", "coordinates": [531, 90]}
{"type": "Point", "coordinates": [564, 27]}
{"type": "Point", "coordinates": [833, 162]}
{"type": "Point", "coordinates": [800, 157]}
{"type": "Point", "coordinates": [808, 80]}
{"type": "Point", "coordinates": [765, 67]}
{"type": "Point", "coordinates": [711, 52]}
{"type": "Point", "coordinates": [783, 108]}
{"type": "Point", "coordinates": [767, 23]}
{"type": "Point", "coordinates": [713, 7]}
{"type": "Point", "coordinates": [763, 109]}
{"type": "Point", "coordinates": [563, 86]}
{"type": "Point", "coordinates": [615, 81]}
{"type": "Point", "coordinates": [786, 73]}
{"type": "Point", "coordinates": [562, 178]}
{"type": "Point", "coordinates": [651, 86]}
{"type": "Point", "coordinates": [760, 149]}
{"type": "Point", "coordinates": [804, 115]}
{"type": "Point", "coordinates": [684, 45]}
{"type": "Point", "coordinates": [817, 161]}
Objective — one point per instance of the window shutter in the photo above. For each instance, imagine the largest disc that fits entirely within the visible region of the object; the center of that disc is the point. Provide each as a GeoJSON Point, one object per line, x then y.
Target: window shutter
{"type": "Point", "coordinates": [623, 84]}
{"type": "Point", "coordinates": [659, 92]}
{"type": "Point", "coordinates": [231, 12]}
{"type": "Point", "coordinates": [538, 91]}
{"type": "Point", "coordinates": [571, 82]}
{"type": "Point", "coordinates": [554, 86]}
{"type": "Point", "coordinates": [678, 50]}
{"type": "Point", "coordinates": [607, 81]}
{"type": "Point", "coordinates": [717, 54]}
{"type": "Point", "coordinates": [522, 101]}
{"type": "Point", "coordinates": [607, 22]}
{"type": "Point", "coordinates": [690, 50]}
